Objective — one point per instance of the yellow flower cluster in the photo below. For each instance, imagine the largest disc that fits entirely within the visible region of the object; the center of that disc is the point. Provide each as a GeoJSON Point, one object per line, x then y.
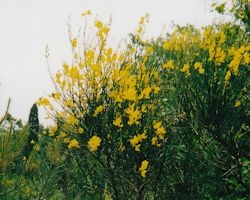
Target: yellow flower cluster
{"type": "Point", "coordinates": [101, 79]}
{"type": "Point", "coordinates": [102, 32]}
{"type": "Point", "coordinates": [198, 66]}
{"type": "Point", "coordinates": [74, 42]}
{"type": "Point", "coordinates": [137, 139]}
{"type": "Point", "coordinates": [118, 122]}
{"type": "Point", "coordinates": [98, 110]}
{"type": "Point", "coordinates": [237, 103]}
{"type": "Point", "coordinates": [94, 142]}
{"type": "Point", "coordinates": [168, 65]}
{"type": "Point", "coordinates": [240, 55]}
{"type": "Point", "coordinates": [43, 102]}
{"type": "Point", "coordinates": [209, 46]}
{"type": "Point", "coordinates": [53, 130]}
{"type": "Point", "coordinates": [73, 144]}
{"type": "Point", "coordinates": [134, 115]}
{"type": "Point", "coordinates": [160, 133]}
{"type": "Point", "coordinates": [227, 76]}
{"type": "Point", "coordinates": [144, 167]}
{"type": "Point", "coordinates": [71, 120]}
{"type": "Point", "coordinates": [87, 12]}
{"type": "Point", "coordinates": [185, 69]}
{"type": "Point", "coordinates": [140, 29]}
{"type": "Point", "coordinates": [80, 130]}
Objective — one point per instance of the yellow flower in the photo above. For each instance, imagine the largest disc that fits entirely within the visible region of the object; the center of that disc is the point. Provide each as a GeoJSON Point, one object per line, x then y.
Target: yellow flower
{"type": "Point", "coordinates": [69, 103]}
{"type": "Point", "coordinates": [145, 93]}
{"type": "Point", "coordinates": [150, 50]}
{"type": "Point", "coordinates": [227, 76]}
{"type": "Point", "coordinates": [56, 96]}
{"type": "Point", "coordinates": [72, 120]}
{"type": "Point", "coordinates": [137, 147]}
{"type": "Point", "coordinates": [53, 130]}
{"type": "Point", "coordinates": [99, 24]}
{"type": "Point", "coordinates": [156, 89]}
{"type": "Point", "coordinates": [219, 56]}
{"type": "Point", "coordinates": [160, 130]}
{"type": "Point", "coordinates": [73, 143]}
{"type": "Point", "coordinates": [88, 12]}
{"type": "Point", "coordinates": [201, 70]}
{"type": "Point", "coordinates": [167, 45]}
{"type": "Point", "coordinates": [142, 20]}
{"type": "Point", "coordinates": [144, 108]}
{"type": "Point", "coordinates": [143, 168]}
{"type": "Point", "coordinates": [154, 141]}
{"type": "Point", "coordinates": [237, 103]}
{"type": "Point", "coordinates": [222, 37]}
{"type": "Point", "coordinates": [116, 95]}
{"type": "Point", "coordinates": [197, 65]}
{"type": "Point", "coordinates": [98, 110]}
{"type": "Point", "coordinates": [156, 124]}
{"type": "Point", "coordinates": [185, 69]}
{"type": "Point", "coordinates": [118, 122]}
{"type": "Point", "coordinates": [66, 140]}
{"type": "Point", "coordinates": [130, 94]}
{"type": "Point", "coordinates": [74, 42]}
{"type": "Point", "coordinates": [32, 142]}
{"type": "Point", "coordinates": [133, 114]}
{"type": "Point", "coordinates": [74, 73]}
{"type": "Point", "coordinates": [136, 140]}
{"type": "Point", "coordinates": [80, 130]}
{"type": "Point", "coordinates": [234, 64]}
{"type": "Point", "coordinates": [43, 102]}
{"type": "Point", "coordinates": [211, 53]}
{"type": "Point", "coordinates": [94, 142]}
{"type": "Point", "coordinates": [246, 58]}
{"type": "Point", "coordinates": [168, 65]}
{"type": "Point", "coordinates": [63, 134]}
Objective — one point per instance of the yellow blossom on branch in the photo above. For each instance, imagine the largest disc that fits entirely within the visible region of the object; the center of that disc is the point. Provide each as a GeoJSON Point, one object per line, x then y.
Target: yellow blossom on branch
{"type": "Point", "coordinates": [94, 142]}
{"type": "Point", "coordinates": [134, 115]}
{"type": "Point", "coordinates": [135, 141]}
{"type": "Point", "coordinates": [74, 42]}
{"type": "Point", "coordinates": [168, 65]}
{"type": "Point", "coordinates": [32, 142]}
{"type": "Point", "coordinates": [43, 102]}
{"type": "Point", "coordinates": [87, 12]}
{"type": "Point", "coordinates": [71, 120]}
{"type": "Point", "coordinates": [143, 168]}
{"type": "Point", "coordinates": [73, 144]}
{"type": "Point", "coordinates": [80, 130]}
{"type": "Point", "coordinates": [227, 76]}
{"type": "Point", "coordinates": [118, 122]}
{"type": "Point", "coordinates": [237, 103]}
{"type": "Point", "coordinates": [185, 69]}
{"type": "Point", "coordinates": [98, 110]}
{"type": "Point", "coordinates": [159, 129]}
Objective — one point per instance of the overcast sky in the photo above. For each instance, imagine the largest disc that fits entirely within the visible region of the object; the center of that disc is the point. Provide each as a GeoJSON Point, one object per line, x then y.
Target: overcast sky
{"type": "Point", "coordinates": [27, 26]}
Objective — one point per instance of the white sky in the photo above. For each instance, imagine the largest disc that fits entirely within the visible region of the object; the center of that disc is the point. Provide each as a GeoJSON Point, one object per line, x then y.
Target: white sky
{"type": "Point", "coordinates": [27, 26]}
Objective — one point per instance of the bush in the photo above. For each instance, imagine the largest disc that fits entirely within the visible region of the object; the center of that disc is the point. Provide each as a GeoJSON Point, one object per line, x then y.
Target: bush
{"type": "Point", "coordinates": [160, 119]}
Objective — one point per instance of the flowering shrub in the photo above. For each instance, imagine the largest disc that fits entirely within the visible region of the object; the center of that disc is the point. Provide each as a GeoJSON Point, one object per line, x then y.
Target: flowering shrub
{"type": "Point", "coordinates": [157, 110]}
{"type": "Point", "coordinates": [105, 104]}
{"type": "Point", "coordinates": [166, 118]}
{"type": "Point", "coordinates": [211, 72]}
